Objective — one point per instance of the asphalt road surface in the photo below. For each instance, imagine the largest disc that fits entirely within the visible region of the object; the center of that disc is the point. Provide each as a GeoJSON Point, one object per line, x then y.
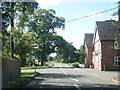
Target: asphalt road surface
{"type": "Point", "coordinates": [63, 77]}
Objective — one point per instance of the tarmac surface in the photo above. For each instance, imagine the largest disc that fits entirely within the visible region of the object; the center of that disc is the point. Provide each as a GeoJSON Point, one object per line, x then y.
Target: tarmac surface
{"type": "Point", "coordinates": [63, 77]}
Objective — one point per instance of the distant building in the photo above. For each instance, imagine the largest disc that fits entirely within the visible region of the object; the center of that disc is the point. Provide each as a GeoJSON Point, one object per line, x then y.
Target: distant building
{"type": "Point", "coordinates": [106, 54]}
{"type": "Point", "coordinates": [88, 39]}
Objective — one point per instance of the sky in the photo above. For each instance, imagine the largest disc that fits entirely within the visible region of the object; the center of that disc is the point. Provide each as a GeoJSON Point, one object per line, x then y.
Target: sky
{"type": "Point", "coordinates": [71, 9]}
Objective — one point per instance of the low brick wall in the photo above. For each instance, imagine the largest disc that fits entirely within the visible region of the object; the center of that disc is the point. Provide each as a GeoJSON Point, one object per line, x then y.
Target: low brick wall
{"type": "Point", "coordinates": [10, 70]}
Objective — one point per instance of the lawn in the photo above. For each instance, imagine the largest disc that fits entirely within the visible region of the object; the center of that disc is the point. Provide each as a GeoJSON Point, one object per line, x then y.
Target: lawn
{"type": "Point", "coordinates": [25, 78]}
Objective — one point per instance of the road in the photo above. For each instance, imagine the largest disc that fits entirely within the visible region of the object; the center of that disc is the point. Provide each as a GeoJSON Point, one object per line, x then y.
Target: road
{"type": "Point", "coordinates": [63, 77]}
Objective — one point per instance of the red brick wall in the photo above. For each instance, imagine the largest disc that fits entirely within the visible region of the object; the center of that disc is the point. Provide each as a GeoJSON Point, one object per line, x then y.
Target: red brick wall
{"type": "Point", "coordinates": [108, 53]}
{"type": "Point", "coordinates": [89, 56]}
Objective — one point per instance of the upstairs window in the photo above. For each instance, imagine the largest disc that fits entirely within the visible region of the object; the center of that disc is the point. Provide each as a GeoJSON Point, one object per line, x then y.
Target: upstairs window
{"type": "Point", "coordinates": [117, 61]}
{"type": "Point", "coordinates": [116, 45]}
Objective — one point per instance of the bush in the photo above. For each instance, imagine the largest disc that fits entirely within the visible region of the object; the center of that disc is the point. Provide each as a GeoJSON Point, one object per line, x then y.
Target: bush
{"type": "Point", "coordinates": [76, 64]}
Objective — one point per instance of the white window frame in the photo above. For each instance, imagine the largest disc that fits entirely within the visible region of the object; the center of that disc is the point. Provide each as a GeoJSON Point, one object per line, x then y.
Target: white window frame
{"type": "Point", "coordinates": [116, 45]}
{"type": "Point", "coordinates": [116, 60]}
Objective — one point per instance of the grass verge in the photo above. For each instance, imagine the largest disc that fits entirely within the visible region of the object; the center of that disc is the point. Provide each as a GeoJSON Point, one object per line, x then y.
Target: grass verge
{"type": "Point", "coordinates": [25, 78]}
{"type": "Point", "coordinates": [38, 67]}
{"type": "Point", "coordinates": [33, 67]}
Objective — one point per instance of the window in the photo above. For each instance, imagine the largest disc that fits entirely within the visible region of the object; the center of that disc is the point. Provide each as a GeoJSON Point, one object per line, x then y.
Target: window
{"type": "Point", "coordinates": [116, 45]}
{"type": "Point", "coordinates": [117, 61]}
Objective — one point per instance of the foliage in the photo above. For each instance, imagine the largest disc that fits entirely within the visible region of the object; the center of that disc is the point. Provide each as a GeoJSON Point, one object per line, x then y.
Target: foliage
{"type": "Point", "coordinates": [82, 54]}
{"type": "Point", "coordinates": [28, 27]}
{"type": "Point", "coordinates": [11, 11]}
{"type": "Point", "coordinates": [43, 24]}
{"type": "Point", "coordinates": [15, 41]}
{"type": "Point", "coordinates": [118, 24]}
{"type": "Point", "coordinates": [66, 51]}
{"type": "Point", "coordinates": [76, 64]}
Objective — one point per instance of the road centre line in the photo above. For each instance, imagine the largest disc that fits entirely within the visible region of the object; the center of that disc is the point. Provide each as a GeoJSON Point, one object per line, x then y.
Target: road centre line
{"type": "Point", "coordinates": [62, 70]}
{"type": "Point", "coordinates": [74, 79]}
{"type": "Point", "coordinates": [65, 73]}
{"type": "Point", "coordinates": [60, 67]}
{"type": "Point", "coordinates": [77, 87]}
{"type": "Point", "coordinates": [78, 70]}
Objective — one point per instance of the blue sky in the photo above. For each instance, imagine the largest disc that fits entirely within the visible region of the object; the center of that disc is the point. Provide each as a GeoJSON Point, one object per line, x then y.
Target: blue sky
{"type": "Point", "coordinates": [72, 9]}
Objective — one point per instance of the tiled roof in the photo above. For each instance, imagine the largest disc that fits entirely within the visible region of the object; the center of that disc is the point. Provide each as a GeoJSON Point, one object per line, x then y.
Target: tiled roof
{"type": "Point", "coordinates": [106, 29]}
{"type": "Point", "coordinates": [88, 39]}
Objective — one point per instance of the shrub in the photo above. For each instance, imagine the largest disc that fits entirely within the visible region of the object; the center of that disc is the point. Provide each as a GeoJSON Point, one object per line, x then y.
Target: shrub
{"type": "Point", "coordinates": [76, 64]}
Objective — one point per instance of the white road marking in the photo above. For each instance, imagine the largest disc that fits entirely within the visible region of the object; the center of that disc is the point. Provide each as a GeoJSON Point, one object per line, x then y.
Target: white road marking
{"type": "Point", "coordinates": [60, 67]}
{"type": "Point", "coordinates": [77, 87]}
{"type": "Point", "coordinates": [74, 79]}
{"type": "Point", "coordinates": [62, 70]}
{"type": "Point", "coordinates": [76, 69]}
{"type": "Point", "coordinates": [79, 70]}
{"type": "Point", "coordinates": [65, 73]}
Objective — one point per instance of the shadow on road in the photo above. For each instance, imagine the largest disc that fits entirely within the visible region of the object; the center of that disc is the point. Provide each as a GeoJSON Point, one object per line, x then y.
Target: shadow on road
{"type": "Point", "coordinates": [58, 87]}
{"type": "Point", "coordinates": [59, 75]}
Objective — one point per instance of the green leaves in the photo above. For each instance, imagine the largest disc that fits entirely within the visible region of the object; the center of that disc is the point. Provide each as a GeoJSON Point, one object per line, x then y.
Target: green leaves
{"type": "Point", "coordinates": [66, 51]}
{"type": "Point", "coordinates": [43, 25]}
{"type": "Point", "coordinates": [29, 27]}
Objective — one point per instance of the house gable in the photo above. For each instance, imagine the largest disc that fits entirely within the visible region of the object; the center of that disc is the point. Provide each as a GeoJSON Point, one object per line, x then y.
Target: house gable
{"type": "Point", "coordinates": [107, 29]}
{"type": "Point", "coordinates": [88, 39]}
{"type": "Point", "coordinates": [97, 38]}
{"type": "Point", "coordinates": [104, 37]}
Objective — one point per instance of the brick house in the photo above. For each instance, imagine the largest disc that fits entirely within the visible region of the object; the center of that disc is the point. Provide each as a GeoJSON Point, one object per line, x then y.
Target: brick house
{"type": "Point", "coordinates": [106, 54]}
{"type": "Point", "coordinates": [88, 39]}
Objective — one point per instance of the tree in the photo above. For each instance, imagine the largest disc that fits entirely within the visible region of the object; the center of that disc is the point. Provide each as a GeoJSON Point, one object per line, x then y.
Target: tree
{"type": "Point", "coordinates": [43, 24]}
{"type": "Point", "coordinates": [118, 39]}
{"type": "Point", "coordinates": [16, 39]}
{"type": "Point", "coordinates": [82, 54]}
{"type": "Point", "coordinates": [66, 51]}
{"type": "Point", "coordinates": [23, 45]}
{"type": "Point", "coordinates": [118, 24]}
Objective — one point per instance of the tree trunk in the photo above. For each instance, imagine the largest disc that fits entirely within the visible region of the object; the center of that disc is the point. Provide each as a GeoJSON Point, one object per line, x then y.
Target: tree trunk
{"type": "Point", "coordinates": [42, 63]}
{"type": "Point", "coordinates": [23, 61]}
{"type": "Point", "coordinates": [12, 29]}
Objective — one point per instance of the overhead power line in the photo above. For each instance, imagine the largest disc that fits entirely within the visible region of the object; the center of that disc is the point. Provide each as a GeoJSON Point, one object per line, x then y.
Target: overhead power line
{"type": "Point", "coordinates": [92, 14]}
